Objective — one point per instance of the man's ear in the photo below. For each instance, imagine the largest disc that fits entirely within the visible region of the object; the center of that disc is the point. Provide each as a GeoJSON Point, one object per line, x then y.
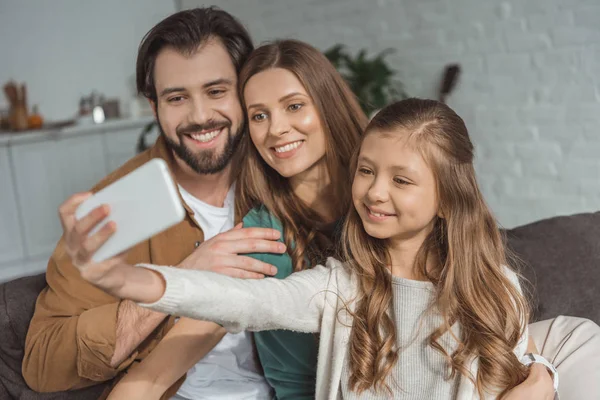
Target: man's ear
{"type": "Point", "coordinates": [153, 107]}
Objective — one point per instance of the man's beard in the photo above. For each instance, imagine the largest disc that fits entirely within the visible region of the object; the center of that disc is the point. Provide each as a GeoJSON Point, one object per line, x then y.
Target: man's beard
{"type": "Point", "coordinates": [206, 162]}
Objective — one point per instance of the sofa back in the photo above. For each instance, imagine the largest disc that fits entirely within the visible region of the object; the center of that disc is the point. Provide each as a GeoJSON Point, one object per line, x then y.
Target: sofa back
{"type": "Point", "coordinates": [17, 303]}
{"type": "Point", "coordinates": [562, 262]}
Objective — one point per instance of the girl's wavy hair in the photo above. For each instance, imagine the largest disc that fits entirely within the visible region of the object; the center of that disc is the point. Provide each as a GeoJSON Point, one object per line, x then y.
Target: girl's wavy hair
{"type": "Point", "coordinates": [343, 122]}
{"type": "Point", "coordinates": [471, 281]}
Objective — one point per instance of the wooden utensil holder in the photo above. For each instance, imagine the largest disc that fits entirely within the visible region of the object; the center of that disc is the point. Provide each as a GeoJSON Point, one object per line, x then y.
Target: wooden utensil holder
{"type": "Point", "coordinates": [18, 117]}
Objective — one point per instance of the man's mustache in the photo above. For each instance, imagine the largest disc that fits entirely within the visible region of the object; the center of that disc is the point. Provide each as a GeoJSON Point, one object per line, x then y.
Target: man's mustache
{"type": "Point", "coordinates": [195, 128]}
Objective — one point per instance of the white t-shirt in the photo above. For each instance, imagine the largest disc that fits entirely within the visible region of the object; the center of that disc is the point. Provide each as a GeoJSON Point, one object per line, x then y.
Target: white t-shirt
{"type": "Point", "coordinates": [231, 369]}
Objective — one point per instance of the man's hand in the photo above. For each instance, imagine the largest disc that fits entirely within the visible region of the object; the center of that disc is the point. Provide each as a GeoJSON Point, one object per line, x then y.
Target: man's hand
{"type": "Point", "coordinates": [222, 253]}
{"type": "Point", "coordinates": [81, 247]}
{"type": "Point", "coordinates": [537, 386]}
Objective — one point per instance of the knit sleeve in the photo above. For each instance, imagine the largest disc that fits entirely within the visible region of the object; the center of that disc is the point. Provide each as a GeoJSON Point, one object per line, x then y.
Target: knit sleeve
{"type": "Point", "coordinates": [295, 303]}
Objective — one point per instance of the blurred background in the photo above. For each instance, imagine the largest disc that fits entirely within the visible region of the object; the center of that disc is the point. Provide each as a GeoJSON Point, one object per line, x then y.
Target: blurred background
{"type": "Point", "coordinates": [526, 85]}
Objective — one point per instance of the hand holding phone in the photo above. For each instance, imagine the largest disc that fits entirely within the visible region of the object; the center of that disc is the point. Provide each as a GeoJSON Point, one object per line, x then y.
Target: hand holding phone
{"type": "Point", "coordinates": [123, 214]}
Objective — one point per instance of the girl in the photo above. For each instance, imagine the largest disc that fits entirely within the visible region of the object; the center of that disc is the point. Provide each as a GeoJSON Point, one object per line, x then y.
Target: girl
{"type": "Point", "coordinates": [423, 305]}
{"type": "Point", "coordinates": [304, 124]}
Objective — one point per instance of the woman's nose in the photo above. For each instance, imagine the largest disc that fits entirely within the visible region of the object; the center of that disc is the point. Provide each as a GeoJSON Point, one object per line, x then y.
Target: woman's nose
{"type": "Point", "coordinates": [279, 125]}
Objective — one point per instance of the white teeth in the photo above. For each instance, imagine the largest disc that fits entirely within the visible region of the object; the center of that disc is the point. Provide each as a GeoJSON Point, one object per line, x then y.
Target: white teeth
{"type": "Point", "coordinates": [288, 147]}
{"type": "Point", "coordinates": [205, 137]}
{"type": "Point", "coordinates": [377, 214]}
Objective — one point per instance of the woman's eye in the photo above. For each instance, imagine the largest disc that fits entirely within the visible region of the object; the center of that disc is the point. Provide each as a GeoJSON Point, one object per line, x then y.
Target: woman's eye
{"type": "Point", "coordinates": [295, 107]}
{"type": "Point", "coordinates": [259, 117]}
{"type": "Point", "coordinates": [401, 181]}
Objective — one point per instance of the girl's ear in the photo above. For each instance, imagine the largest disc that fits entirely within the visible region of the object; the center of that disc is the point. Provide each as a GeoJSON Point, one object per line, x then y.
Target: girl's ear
{"type": "Point", "coordinates": [440, 213]}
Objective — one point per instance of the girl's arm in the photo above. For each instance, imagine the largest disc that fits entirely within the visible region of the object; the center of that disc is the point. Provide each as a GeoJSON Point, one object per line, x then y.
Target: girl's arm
{"type": "Point", "coordinates": [295, 303]}
{"type": "Point", "coordinates": [537, 385]}
{"type": "Point", "coordinates": [180, 350]}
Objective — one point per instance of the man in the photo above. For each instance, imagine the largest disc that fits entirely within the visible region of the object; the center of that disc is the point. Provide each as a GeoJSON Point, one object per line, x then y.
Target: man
{"type": "Point", "coordinates": [187, 67]}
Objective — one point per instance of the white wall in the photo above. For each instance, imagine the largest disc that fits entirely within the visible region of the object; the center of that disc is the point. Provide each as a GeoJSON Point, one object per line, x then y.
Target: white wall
{"type": "Point", "coordinates": [64, 49]}
{"type": "Point", "coordinates": [529, 90]}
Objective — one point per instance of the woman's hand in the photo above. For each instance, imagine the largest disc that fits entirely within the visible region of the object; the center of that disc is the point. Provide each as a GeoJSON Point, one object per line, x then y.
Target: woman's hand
{"type": "Point", "coordinates": [537, 386]}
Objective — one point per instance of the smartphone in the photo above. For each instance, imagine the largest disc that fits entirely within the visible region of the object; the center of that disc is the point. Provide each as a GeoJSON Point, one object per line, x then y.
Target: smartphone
{"type": "Point", "coordinates": [143, 203]}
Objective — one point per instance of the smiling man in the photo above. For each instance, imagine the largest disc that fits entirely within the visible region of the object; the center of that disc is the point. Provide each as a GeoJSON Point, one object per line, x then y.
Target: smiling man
{"type": "Point", "coordinates": [187, 67]}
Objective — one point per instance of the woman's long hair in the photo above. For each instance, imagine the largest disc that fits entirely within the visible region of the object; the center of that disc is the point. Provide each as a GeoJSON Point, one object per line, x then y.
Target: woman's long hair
{"type": "Point", "coordinates": [467, 263]}
{"type": "Point", "coordinates": [343, 122]}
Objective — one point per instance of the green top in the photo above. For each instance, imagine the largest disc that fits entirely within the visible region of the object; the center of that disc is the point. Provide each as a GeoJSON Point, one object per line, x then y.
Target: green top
{"type": "Point", "coordinates": [289, 359]}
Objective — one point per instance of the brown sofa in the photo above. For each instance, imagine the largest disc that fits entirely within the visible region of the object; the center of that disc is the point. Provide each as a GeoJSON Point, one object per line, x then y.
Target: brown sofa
{"type": "Point", "coordinates": [562, 261]}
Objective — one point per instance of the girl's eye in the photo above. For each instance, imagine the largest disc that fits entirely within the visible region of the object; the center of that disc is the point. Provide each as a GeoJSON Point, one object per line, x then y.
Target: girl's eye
{"type": "Point", "coordinates": [364, 171]}
{"type": "Point", "coordinates": [259, 117]}
{"type": "Point", "coordinates": [401, 181]}
{"type": "Point", "coordinates": [295, 107]}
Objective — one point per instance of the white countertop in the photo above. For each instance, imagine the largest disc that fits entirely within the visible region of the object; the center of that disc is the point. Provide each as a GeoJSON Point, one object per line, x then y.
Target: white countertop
{"type": "Point", "coordinates": [12, 138]}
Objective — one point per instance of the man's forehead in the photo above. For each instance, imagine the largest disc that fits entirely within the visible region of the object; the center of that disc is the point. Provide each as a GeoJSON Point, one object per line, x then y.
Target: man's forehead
{"type": "Point", "coordinates": [210, 62]}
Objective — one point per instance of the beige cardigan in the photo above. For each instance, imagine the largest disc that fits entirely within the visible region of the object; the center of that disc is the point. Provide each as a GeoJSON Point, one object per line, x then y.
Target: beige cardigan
{"type": "Point", "coordinates": [309, 301]}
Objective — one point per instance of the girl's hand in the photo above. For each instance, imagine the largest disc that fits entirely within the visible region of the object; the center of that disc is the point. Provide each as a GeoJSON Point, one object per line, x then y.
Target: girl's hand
{"type": "Point", "coordinates": [537, 386]}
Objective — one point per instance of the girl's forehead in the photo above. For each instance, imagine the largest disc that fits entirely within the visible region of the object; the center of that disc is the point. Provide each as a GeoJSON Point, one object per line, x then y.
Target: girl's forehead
{"type": "Point", "coordinates": [384, 140]}
{"type": "Point", "coordinates": [393, 150]}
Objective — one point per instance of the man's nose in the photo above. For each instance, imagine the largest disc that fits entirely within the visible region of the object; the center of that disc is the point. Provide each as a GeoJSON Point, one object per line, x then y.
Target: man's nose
{"type": "Point", "coordinates": [199, 113]}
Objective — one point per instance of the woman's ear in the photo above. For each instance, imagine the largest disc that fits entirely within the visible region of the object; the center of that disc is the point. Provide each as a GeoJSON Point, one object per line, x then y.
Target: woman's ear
{"type": "Point", "coordinates": [440, 213]}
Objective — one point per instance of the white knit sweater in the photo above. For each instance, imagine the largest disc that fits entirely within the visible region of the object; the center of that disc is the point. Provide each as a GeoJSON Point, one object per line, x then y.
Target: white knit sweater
{"type": "Point", "coordinates": [313, 300]}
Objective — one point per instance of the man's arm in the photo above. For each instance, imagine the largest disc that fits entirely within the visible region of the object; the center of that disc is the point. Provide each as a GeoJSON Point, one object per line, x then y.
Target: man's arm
{"type": "Point", "coordinates": [134, 325]}
{"type": "Point", "coordinates": [79, 336]}
{"type": "Point", "coordinates": [186, 343]}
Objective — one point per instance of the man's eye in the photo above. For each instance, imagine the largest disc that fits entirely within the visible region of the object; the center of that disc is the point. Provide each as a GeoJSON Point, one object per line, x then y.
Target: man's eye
{"type": "Point", "coordinates": [175, 99]}
{"type": "Point", "coordinates": [216, 92]}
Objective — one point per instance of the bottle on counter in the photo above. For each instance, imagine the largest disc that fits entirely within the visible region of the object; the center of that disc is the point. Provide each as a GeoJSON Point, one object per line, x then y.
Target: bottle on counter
{"type": "Point", "coordinates": [35, 120]}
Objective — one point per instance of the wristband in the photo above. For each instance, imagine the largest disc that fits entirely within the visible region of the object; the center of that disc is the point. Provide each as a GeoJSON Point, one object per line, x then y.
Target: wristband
{"type": "Point", "coordinates": [531, 358]}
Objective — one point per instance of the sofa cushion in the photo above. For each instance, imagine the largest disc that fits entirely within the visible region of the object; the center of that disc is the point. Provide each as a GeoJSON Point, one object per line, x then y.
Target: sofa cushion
{"type": "Point", "coordinates": [17, 303]}
{"type": "Point", "coordinates": [562, 262]}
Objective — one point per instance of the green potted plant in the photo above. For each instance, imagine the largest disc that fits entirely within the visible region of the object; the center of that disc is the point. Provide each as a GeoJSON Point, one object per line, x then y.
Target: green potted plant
{"type": "Point", "coordinates": [371, 79]}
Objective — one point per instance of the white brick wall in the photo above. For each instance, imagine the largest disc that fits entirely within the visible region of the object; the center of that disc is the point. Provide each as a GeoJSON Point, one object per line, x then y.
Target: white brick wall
{"type": "Point", "coordinates": [529, 91]}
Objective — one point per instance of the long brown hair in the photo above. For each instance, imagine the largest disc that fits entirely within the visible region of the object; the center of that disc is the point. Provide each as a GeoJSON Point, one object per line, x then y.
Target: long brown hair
{"type": "Point", "coordinates": [472, 288]}
{"type": "Point", "coordinates": [342, 120]}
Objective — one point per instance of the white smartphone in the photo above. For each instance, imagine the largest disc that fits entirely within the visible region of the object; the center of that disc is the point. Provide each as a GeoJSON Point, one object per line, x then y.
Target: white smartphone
{"type": "Point", "coordinates": [143, 203]}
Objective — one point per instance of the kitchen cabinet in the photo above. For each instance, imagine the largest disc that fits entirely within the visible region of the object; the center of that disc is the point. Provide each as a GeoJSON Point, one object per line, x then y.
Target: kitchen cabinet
{"type": "Point", "coordinates": [11, 245]}
{"type": "Point", "coordinates": [47, 173]}
{"type": "Point", "coordinates": [39, 171]}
